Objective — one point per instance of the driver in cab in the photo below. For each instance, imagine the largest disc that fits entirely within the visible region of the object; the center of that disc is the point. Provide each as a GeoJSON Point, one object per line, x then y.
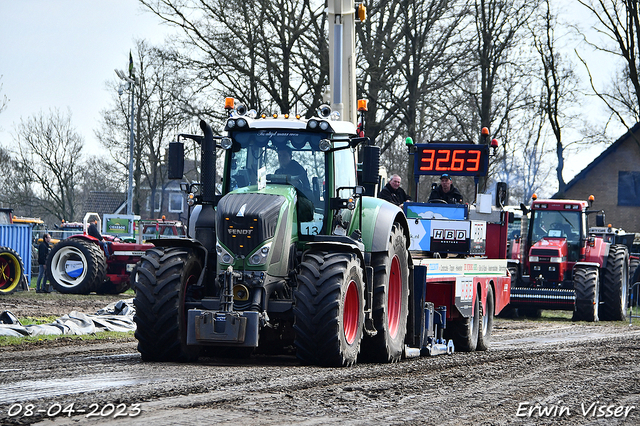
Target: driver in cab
{"type": "Point", "coordinates": [289, 166]}
{"type": "Point", "coordinates": [446, 191]}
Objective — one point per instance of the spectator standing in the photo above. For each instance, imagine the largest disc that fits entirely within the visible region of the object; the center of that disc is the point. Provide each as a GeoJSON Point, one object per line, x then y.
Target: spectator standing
{"type": "Point", "coordinates": [43, 253]}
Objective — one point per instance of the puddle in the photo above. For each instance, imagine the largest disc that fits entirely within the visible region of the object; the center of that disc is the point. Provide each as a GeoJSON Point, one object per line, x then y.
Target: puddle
{"type": "Point", "coordinates": [29, 390]}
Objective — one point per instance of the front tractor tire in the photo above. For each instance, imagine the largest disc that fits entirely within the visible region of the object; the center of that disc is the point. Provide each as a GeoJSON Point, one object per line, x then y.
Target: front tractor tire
{"type": "Point", "coordinates": [585, 284]}
{"type": "Point", "coordinates": [76, 266]}
{"type": "Point", "coordinates": [329, 309]}
{"type": "Point", "coordinates": [162, 280]}
{"type": "Point", "coordinates": [390, 301]}
{"type": "Point", "coordinates": [11, 270]}
{"type": "Point", "coordinates": [615, 285]}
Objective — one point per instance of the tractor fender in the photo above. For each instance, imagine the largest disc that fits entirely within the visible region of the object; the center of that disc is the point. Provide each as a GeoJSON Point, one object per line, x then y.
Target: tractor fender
{"type": "Point", "coordinates": [190, 243]}
{"type": "Point", "coordinates": [378, 217]}
{"type": "Point", "coordinates": [598, 253]}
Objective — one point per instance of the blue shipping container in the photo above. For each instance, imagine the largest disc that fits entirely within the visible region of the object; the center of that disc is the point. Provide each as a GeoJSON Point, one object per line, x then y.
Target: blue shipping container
{"type": "Point", "coordinates": [18, 237]}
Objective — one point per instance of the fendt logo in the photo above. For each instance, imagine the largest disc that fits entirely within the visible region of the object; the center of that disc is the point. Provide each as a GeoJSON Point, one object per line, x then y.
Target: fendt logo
{"type": "Point", "coordinates": [233, 231]}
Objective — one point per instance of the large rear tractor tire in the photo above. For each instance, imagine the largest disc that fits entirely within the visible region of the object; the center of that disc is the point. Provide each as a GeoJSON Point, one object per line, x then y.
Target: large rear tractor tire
{"type": "Point", "coordinates": [486, 322]}
{"type": "Point", "coordinates": [585, 283]}
{"type": "Point", "coordinates": [329, 309]}
{"type": "Point", "coordinates": [464, 331]}
{"type": "Point", "coordinates": [390, 301]}
{"type": "Point", "coordinates": [11, 270]}
{"type": "Point", "coordinates": [615, 285]}
{"type": "Point", "coordinates": [76, 266]}
{"type": "Point", "coordinates": [162, 280]}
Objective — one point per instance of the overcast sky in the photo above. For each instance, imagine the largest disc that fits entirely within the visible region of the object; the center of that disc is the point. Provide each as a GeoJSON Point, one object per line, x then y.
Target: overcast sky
{"type": "Point", "coordinates": [61, 53]}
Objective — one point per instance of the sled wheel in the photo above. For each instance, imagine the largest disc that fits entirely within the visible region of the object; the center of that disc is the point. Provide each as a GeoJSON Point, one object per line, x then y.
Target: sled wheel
{"type": "Point", "coordinates": [486, 322]}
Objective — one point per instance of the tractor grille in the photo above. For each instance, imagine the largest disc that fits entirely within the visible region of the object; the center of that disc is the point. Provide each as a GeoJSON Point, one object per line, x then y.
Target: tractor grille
{"type": "Point", "coordinates": [244, 221]}
{"type": "Point", "coordinates": [544, 252]}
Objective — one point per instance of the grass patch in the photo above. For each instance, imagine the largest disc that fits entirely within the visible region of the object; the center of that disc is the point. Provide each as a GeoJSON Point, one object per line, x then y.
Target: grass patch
{"type": "Point", "coordinates": [37, 320]}
{"type": "Point", "coordinates": [31, 340]}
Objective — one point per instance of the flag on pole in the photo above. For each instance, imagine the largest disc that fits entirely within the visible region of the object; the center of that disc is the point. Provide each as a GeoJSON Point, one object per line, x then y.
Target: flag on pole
{"type": "Point", "coordinates": [130, 65]}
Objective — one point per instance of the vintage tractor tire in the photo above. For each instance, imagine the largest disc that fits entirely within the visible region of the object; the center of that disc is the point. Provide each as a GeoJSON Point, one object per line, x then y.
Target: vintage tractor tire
{"type": "Point", "coordinates": [615, 285]}
{"type": "Point", "coordinates": [11, 270]}
{"type": "Point", "coordinates": [486, 322]}
{"type": "Point", "coordinates": [464, 331]}
{"type": "Point", "coordinates": [390, 301]}
{"type": "Point", "coordinates": [83, 276]}
{"type": "Point", "coordinates": [585, 283]}
{"type": "Point", "coordinates": [329, 309]}
{"type": "Point", "coordinates": [162, 281]}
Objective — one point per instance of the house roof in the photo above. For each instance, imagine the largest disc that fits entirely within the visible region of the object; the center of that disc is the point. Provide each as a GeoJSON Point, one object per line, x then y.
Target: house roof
{"type": "Point", "coordinates": [104, 202]}
{"type": "Point", "coordinates": [584, 172]}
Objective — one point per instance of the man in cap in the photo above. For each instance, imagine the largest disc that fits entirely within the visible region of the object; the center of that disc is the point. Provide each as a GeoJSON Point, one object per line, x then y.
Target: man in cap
{"type": "Point", "coordinates": [446, 191]}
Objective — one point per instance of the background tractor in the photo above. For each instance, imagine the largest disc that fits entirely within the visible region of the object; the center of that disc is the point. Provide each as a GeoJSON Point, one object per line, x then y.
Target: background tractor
{"type": "Point", "coordinates": [565, 267]}
{"type": "Point", "coordinates": [81, 263]}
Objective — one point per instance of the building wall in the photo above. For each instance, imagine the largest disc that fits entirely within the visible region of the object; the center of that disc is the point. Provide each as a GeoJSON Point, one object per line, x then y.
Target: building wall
{"type": "Point", "coordinates": [602, 183]}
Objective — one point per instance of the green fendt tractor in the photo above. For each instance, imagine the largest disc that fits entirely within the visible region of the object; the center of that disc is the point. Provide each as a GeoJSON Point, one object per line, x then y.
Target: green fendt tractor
{"type": "Point", "coordinates": [281, 260]}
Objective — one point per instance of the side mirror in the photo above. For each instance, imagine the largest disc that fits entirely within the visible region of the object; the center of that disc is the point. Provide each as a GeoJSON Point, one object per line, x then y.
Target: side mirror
{"type": "Point", "coordinates": [600, 219]}
{"type": "Point", "coordinates": [175, 162]}
{"type": "Point", "coordinates": [370, 164]}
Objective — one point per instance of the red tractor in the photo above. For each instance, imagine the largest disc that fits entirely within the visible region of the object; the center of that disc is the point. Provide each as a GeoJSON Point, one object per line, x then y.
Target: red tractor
{"type": "Point", "coordinates": [564, 267]}
{"type": "Point", "coordinates": [82, 263]}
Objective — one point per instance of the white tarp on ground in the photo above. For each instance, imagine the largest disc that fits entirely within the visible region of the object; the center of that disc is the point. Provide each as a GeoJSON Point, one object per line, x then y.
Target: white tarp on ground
{"type": "Point", "coordinates": [117, 316]}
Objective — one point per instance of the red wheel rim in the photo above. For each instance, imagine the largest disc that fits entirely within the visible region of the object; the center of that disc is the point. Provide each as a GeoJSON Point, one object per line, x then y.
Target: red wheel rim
{"type": "Point", "coordinates": [394, 297]}
{"type": "Point", "coordinates": [351, 315]}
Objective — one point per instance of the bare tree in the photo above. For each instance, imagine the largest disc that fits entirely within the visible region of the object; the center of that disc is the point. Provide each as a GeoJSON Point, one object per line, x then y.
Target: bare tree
{"type": "Point", "coordinates": [619, 23]}
{"type": "Point", "coordinates": [49, 156]}
{"type": "Point", "coordinates": [250, 50]}
{"type": "Point", "coordinates": [157, 120]}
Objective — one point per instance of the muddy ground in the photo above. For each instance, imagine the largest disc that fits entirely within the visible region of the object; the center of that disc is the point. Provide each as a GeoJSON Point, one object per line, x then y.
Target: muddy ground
{"type": "Point", "coordinates": [550, 371]}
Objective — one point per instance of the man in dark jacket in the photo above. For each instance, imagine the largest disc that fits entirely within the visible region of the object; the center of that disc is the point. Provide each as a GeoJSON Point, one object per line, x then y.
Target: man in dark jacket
{"type": "Point", "coordinates": [43, 252]}
{"type": "Point", "coordinates": [393, 193]}
{"type": "Point", "coordinates": [446, 191]}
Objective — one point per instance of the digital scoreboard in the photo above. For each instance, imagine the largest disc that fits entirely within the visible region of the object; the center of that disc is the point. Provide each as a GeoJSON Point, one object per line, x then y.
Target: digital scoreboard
{"type": "Point", "coordinates": [455, 159]}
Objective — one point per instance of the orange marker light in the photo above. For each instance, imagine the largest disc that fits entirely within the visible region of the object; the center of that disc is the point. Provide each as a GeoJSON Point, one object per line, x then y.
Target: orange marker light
{"type": "Point", "coordinates": [534, 197]}
{"type": "Point", "coordinates": [485, 131]}
{"type": "Point", "coordinates": [591, 198]}
{"type": "Point", "coordinates": [362, 105]}
{"type": "Point", "coordinates": [228, 103]}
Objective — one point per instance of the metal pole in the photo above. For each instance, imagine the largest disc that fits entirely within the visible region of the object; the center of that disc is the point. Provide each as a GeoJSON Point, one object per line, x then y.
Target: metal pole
{"type": "Point", "coordinates": [130, 189]}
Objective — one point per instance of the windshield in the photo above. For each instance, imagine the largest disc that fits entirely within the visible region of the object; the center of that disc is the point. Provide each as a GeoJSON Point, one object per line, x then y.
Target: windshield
{"type": "Point", "coordinates": [561, 224]}
{"type": "Point", "coordinates": [279, 156]}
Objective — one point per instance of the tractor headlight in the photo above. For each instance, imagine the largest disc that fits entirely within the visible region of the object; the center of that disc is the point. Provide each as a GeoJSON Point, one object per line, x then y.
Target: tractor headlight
{"type": "Point", "coordinates": [556, 260]}
{"type": "Point", "coordinates": [224, 256]}
{"type": "Point", "coordinates": [324, 125]}
{"type": "Point", "coordinates": [231, 123]}
{"type": "Point", "coordinates": [241, 122]}
{"type": "Point", "coordinates": [534, 259]}
{"type": "Point", "coordinates": [324, 145]}
{"type": "Point", "coordinates": [226, 143]}
{"type": "Point", "coordinates": [312, 124]}
{"type": "Point", "coordinates": [260, 256]}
